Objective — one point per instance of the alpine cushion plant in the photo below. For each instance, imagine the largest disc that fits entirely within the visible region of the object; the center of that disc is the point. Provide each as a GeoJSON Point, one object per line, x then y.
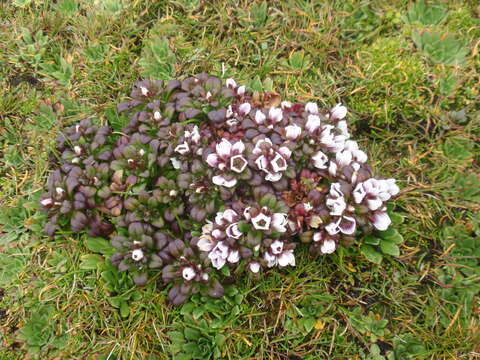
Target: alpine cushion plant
{"type": "Point", "coordinates": [208, 176]}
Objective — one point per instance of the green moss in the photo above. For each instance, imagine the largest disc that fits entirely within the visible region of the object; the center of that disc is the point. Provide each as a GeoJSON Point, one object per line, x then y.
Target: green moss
{"type": "Point", "coordinates": [387, 82]}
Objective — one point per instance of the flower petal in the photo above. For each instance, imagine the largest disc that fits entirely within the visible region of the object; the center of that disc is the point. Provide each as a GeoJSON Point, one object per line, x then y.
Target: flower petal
{"type": "Point", "coordinates": [328, 246]}
{"type": "Point", "coordinates": [260, 117]}
{"type": "Point", "coordinates": [238, 147]}
{"type": "Point", "coordinates": [224, 148]}
{"type": "Point", "coordinates": [213, 160]}
{"type": "Point", "coordinates": [275, 114]}
{"type": "Point", "coordinates": [338, 112]}
{"type": "Point", "coordinates": [381, 220]}
{"type": "Point", "coordinates": [313, 123]}
{"type": "Point", "coordinates": [233, 257]}
{"type": "Point", "coordinates": [347, 225]}
{"type": "Point", "coordinates": [205, 243]}
{"type": "Point", "coordinates": [244, 109]}
{"type": "Point", "coordinates": [311, 107]}
{"type": "Point", "coordinates": [286, 258]}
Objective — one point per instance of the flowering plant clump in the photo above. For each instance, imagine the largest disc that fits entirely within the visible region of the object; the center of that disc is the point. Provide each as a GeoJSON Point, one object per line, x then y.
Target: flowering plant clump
{"type": "Point", "coordinates": [208, 178]}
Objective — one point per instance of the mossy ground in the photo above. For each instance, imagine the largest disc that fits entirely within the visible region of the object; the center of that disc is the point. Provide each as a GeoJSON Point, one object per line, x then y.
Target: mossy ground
{"type": "Point", "coordinates": [418, 119]}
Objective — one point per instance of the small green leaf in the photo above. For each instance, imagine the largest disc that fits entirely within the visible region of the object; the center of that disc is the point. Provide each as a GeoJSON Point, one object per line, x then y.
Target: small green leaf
{"type": "Point", "coordinates": [371, 240]}
{"type": "Point", "coordinates": [425, 14]}
{"type": "Point", "coordinates": [259, 13]}
{"type": "Point", "coordinates": [371, 254]}
{"type": "Point", "coordinates": [389, 248]}
{"type": "Point", "coordinates": [198, 312]}
{"type": "Point", "coordinates": [391, 235]}
{"type": "Point", "coordinates": [397, 219]}
{"type": "Point", "coordinates": [176, 336]}
{"type": "Point", "coordinates": [157, 60]}
{"type": "Point", "coordinates": [91, 261]}
{"type": "Point", "coordinates": [458, 148]}
{"type": "Point", "coordinates": [188, 308]}
{"type": "Point", "coordinates": [308, 323]}
{"type": "Point", "coordinates": [225, 270]}
{"type": "Point", "coordinates": [99, 245]}
{"type": "Point", "coordinates": [124, 309]}
{"type": "Point", "coordinates": [191, 334]}
{"type": "Point", "coordinates": [220, 340]}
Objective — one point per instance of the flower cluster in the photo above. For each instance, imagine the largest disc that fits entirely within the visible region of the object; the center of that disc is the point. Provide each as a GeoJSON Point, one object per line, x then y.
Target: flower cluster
{"type": "Point", "coordinates": [207, 176]}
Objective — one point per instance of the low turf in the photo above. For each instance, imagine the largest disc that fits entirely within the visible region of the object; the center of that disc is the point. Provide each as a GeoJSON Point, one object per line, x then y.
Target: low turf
{"type": "Point", "coordinates": [408, 73]}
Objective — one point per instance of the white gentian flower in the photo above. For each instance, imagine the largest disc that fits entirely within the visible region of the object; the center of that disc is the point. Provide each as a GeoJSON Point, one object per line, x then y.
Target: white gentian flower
{"type": "Point", "coordinates": [261, 162]}
{"type": "Point", "coordinates": [347, 225]}
{"type": "Point", "coordinates": [275, 114]}
{"type": "Point", "coordinates": [320, 160]}
{"type": "Point", "coordinates": [229, 111]}
{"type": "Point", "coordinates": [393, 188]}
{"type": "Point", "coordinates": [157, 116]}
{"type": "Point", "coordinates": [261, 222]}
{"type": "Point", "coordinates": [380, 220]}
{"type": "Point", "coordinates": [137, 254]}
{"type": "Point", "coordinates": [233, 257]}
{"type": "Point", "coordinates": [286, 258]}
{"type": "Point", "coordinates": [144, 90]}
{"type": "Point", "coordinates": [359, 193]}
{"type": "Point", "coordinates": [273, 177]}
{"type": "Point", "coordinates": [338, 112]}
{"type": "Point", "coordinates": [194, 135]}
{"type": "Point", "coordinates": [46, 202]}
{"type": "Point", "coordinates": [276, 247]}
{"type": "Point", "coordinates": [279, 222]}
{"type": "Point", "coordinates": [233, 231]}
{"type": "Point", "coordinates": [205, 243]}
{"type": "Point", "coordinates": [260, 117]}
{"type": "Point", "coordinates": [59, 191]}
{"type": "Point", "coordinates": [77, 149]}
{"type": "Point", "coordinates": [241, 90]}
{"type": "Point", "coordinates": [231, 83]}
{"type": "Point", "coordinates": [292, 132]}
{"type": "Point", "coordinates": [311, 107]}
{"type": "Point", "coordinates": [313, 123]}
{"type": "Point", "coordinates": [254, 267]}
{"type": "Point", "coordinates": [328, 247]}
{"type": "Point", "coordinates": [188, 273]}
{"type": "Point", "coordinates": [224, 148]}
{"type": "Point", "coordinates": [176, 163]}
{"type": "Point", "coordinates": [221, 181]}
{"type": "Point", "coordinates": [343, 127]}
{"type": "Point", "coordinates": [238, 163]}
{"type": "Point", "coordinates": [257, 149]}
{"type": "Point", "coordinates": [344, 158]}
{"type": "Point", "coordinates": [332, 168]}
{"type": "Point", "coordinates": [229, 215]}
{"type": "Point", "coordinates": [270, 259]}
{"type": "Point", "coordinates": [182, 148]}
{"type": "Point", "coordinates": [219, 254]}
{"type": "Point", "coordinates": [278, 163]}
{"type": "Point", "coordinates": [337, 206]}
{"type": "Point", "coordinates": [245, 108]}
{"type": "Point", "coordinates": [357, 154]}
{"type": "Point", "coordinates": [332, 228]}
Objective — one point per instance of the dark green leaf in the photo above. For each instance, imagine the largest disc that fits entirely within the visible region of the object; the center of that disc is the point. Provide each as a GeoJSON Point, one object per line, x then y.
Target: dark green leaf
{"type": "Point", "coordinates": [371, 254]}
